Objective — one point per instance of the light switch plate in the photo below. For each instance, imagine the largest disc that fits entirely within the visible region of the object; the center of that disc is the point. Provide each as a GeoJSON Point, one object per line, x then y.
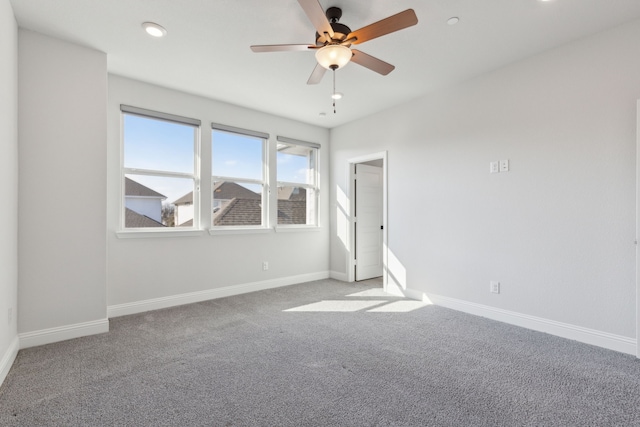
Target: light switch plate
{"type": "Point", "coordinates": [504, 165]}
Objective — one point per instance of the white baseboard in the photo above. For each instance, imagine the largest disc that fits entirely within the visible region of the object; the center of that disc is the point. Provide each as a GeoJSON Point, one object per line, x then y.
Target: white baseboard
{"type": "Point", "coordinates": [226, 291]}
{"type": "Point", "coordinates": [8, 358]}
{"type": "Point", "coordinates": [62, 333]}
{"type": "Point", "coordinates": [564, 330]}
{"type": "Point", "coordinates": [343, 277]}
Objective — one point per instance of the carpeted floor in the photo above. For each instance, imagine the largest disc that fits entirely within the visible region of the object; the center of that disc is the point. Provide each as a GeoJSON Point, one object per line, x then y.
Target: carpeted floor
{"type": "Point", "coordinates": [324, 353]}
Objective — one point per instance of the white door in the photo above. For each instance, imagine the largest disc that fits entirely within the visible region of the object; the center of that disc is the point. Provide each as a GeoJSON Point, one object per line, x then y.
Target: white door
{"type": "Point", "coordinates": [368, 226]}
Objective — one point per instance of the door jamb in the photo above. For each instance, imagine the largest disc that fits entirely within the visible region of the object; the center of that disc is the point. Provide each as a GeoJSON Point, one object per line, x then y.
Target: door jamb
{"type": "Point", "coordinates": [637, 229]}
{"type": "Point", "coordinates": [351, 261]}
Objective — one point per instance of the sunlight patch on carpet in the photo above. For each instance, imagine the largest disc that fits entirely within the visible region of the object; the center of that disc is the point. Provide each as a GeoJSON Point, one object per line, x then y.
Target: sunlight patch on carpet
{"type": "Point", "coordinates": [398, 307]}
{"type": "Point", "coordinates": [342, 306]}
{"type": "Point", "coordinates": [375, 292]}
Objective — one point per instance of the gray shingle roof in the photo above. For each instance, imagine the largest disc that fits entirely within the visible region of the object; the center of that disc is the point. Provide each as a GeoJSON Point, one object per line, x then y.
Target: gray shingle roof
{"type": "Point", "coordinates": [224, 190]}
{"type": "Point", "coordinates": [240, 212]}
{"type": "Point", "coordinates": [249, 212]}
{"type": "Point", "coordinates": [133, 219]}
{"type": "Point", "coordinates": [292, 211]}
{"type": "Point", "coordinates": [227, 190]}
{"type": "Point", "coordinates": [133, 188]}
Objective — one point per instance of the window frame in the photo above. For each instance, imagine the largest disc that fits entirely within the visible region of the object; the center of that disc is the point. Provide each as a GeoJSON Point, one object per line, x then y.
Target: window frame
{"type": "Point", "coordinates": [264, 181]}
{"type": "Point", "coordinates": [315, 185]}
{"type": "Point", "coordinates": [125, 232]}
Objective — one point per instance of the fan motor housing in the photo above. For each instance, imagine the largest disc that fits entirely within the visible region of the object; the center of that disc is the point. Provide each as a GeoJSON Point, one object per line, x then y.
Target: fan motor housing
{"type": "Point", "coordinates": [340, 31]}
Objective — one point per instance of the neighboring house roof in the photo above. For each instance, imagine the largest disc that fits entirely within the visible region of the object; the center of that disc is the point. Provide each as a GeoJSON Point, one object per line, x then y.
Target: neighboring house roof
{"type": "Point", "coordinates": [292, 211]}
{"type": "Point", "coordinates": [133, 219]}
{"type": "Point", "coordinates": [249, 212]}
{"type": "Point", "coordinates": [242, 206]}
{"type": "Point", "coordinates": [224, 190]}
{"type": "Point", "coordinates": [187, 199]}
{"type": "Point", "coordinates": [240, 212]}
{"type": "Point", "coordinates": [135, 189]}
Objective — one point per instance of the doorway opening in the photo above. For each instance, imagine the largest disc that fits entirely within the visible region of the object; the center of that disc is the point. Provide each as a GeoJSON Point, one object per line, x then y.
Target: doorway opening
{"type": "Point", "coordinates": [368, 231]}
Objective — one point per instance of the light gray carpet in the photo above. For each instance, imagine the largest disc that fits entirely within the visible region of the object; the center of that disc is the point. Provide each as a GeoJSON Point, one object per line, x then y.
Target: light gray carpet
{"type": "Point", "coordinates": [247, 361]}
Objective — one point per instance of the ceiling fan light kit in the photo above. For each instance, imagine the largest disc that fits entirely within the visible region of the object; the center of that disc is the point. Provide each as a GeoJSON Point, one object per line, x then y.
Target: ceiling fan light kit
{"type": "Point", "coordinates": [333, 56]}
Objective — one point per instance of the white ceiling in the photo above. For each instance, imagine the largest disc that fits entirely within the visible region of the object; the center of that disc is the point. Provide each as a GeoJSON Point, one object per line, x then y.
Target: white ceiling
{"type": "Point", "coordinates": [206, 51]}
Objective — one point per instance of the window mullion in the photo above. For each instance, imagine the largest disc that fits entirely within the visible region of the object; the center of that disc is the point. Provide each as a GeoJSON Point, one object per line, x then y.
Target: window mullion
{"type": "Point", "coordinates": [245, 180]}
{"type": "Point", "coordinates": [295, 184]}
{"type": "Point", "coordinates": [152, 172]}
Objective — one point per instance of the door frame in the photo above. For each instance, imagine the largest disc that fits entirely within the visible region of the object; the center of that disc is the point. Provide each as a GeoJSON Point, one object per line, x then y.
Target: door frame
{"type": "Point", "coordinates": [637, 229]}
{"type": "Point", "coordinates": [351, 260]}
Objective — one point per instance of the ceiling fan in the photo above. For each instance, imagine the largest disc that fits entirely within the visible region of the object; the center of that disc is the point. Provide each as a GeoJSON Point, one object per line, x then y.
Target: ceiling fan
{"type": "Point", "coordinates": [334, 40]}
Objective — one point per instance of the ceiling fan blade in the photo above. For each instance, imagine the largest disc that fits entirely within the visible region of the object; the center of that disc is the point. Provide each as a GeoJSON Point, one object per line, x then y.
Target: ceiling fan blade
{"type": "Point", "coordinates": [316, 75]}
{"type": "Point", "coordinates": [316, 15]}
{"type": "Point", "coordinates": [280, 47]}
{"type": "Point", "coordinates": [372, 63]}
{"type": "Point", "coordinates": [388, 25]}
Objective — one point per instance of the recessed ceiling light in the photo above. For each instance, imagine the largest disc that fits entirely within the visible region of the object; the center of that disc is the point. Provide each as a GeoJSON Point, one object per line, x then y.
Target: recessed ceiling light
{"type": "Point", "coordinates": [453, 20]}
{"type": "Point", "coordinates": [154, 29]}
{"type": "Point", "coordinates": [336, 95]}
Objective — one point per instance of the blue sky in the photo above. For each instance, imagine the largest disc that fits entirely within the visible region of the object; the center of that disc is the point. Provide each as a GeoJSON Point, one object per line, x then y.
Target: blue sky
{"type": "Point", "coordinates": [160, 145]}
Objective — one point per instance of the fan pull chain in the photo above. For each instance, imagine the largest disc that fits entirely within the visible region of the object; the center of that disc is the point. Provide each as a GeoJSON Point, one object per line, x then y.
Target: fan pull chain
{"type": "Point", "coordinates": [333, 96]}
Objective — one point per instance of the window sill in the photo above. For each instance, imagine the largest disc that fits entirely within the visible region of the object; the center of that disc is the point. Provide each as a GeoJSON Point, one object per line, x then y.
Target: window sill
{"type": "Point", "coordinates": [239, 230]}
{"type": "Point", "coordinates": [143, 234]}
{"type": "Point", "coordinates": [296, 228]}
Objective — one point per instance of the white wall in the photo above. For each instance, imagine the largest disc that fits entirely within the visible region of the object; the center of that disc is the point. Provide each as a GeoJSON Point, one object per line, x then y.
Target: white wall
{"type": "Point", "coordinates": [62, 185]}
{"type": "Point", "coordinates": [8, 186]}
{"type": "Point", "coordinates": [142, 269]}
{"type": "Point", "coordinates": [558, 230]}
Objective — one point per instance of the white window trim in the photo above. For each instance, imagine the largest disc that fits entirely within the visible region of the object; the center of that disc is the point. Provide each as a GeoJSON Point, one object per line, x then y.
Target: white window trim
{"type": "Point", "coordinates": [143, 233]}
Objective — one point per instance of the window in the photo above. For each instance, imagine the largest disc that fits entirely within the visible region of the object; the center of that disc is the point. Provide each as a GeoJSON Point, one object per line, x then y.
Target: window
{"type": "Point", "coordinates": [239, 177]}
{"type": "Point", "coordinates": [297, 182]}
{"type": "Point", "coordinates": [159, 170]}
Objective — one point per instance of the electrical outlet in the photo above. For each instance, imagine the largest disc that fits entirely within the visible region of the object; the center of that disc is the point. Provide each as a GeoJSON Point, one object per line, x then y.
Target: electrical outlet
{"type": "Point", "coordinates": [494, 287]}
{"type": "Point", "coordinates": [265, 265]}
{"type": "Point", "coordinates": [494, 167]}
